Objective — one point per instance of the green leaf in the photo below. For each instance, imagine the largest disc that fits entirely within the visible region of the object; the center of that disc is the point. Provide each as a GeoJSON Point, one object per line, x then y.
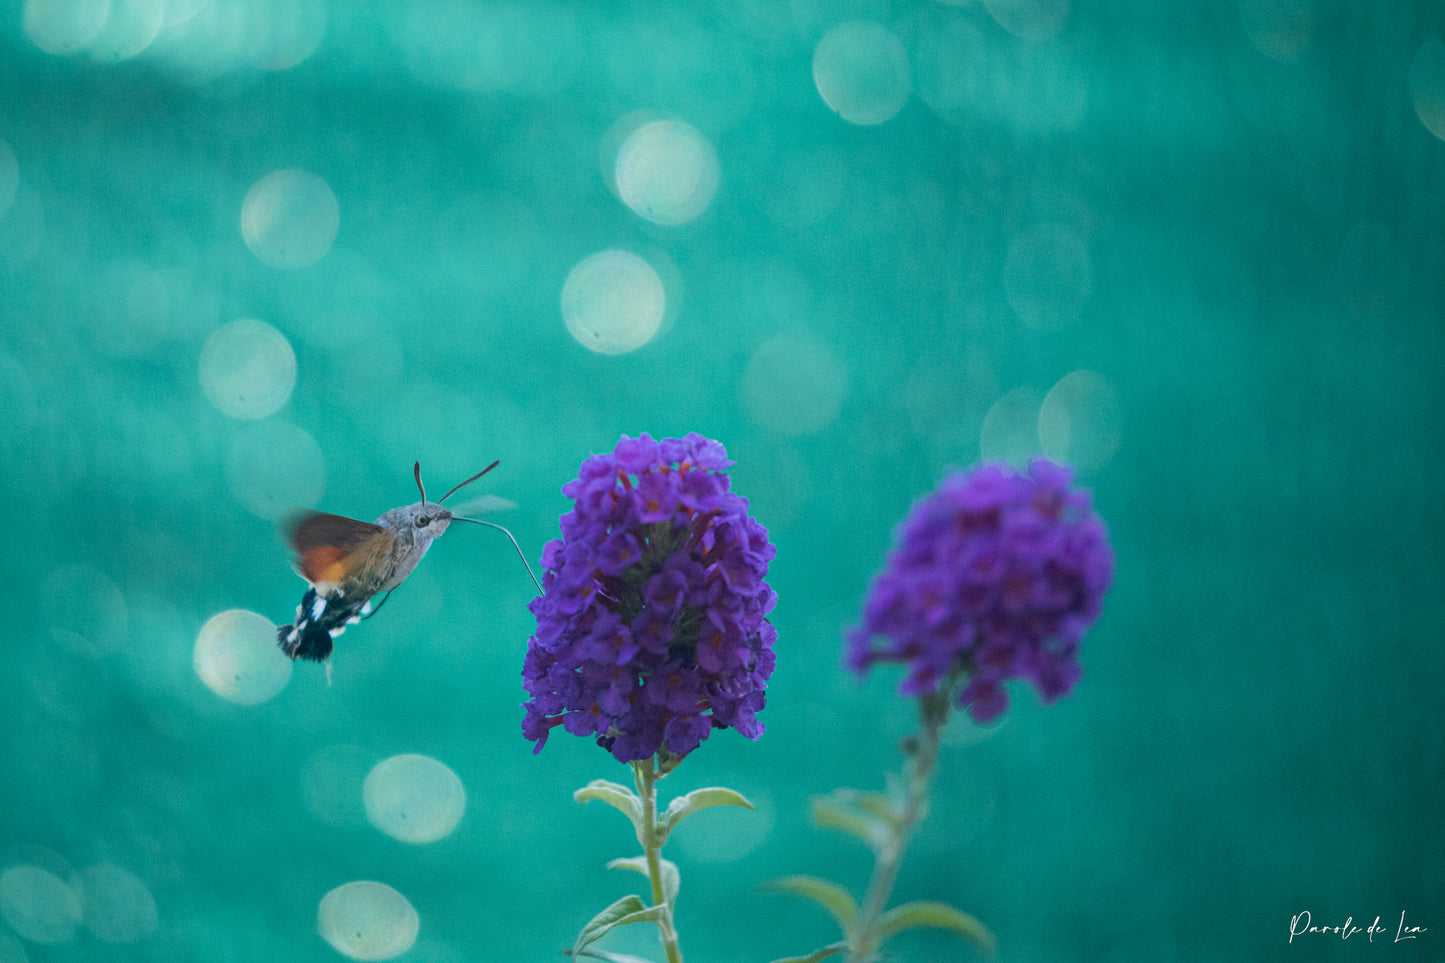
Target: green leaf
{"type": "Point", "coordinates": [629, 909]}
{"type": "Point", "coordinates": [836, 811]}
{"type": "Point", "coordinates": [831, 949]}
{"type": "Point", "coordinates": [650, 915]}
{"type": "Point", "coordinates": [700, 799]}
{"type": "Point", "coordinates": [875, 804]}
{"type": "Point", "coordinates": [618, 797]}
{"type": "Point", "coordinates": [832, 897]}
{"type": "Point", "coordinates": [939, 916]}
{"type": "Point", "coordinates": [605, 920]}
{"type": "Point", "coordinates": [670, 876]}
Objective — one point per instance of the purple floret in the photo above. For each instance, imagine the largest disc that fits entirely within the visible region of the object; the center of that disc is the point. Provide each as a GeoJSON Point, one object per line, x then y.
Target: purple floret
{"type": "Point", "coordinates": [653, 631]}
{"type": "Point", "coordinates": [995, 575]}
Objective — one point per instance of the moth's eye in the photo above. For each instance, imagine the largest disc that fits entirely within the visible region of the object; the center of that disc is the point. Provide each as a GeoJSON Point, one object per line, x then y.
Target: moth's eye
{"type": "Point", "coordinates": [422, 521]}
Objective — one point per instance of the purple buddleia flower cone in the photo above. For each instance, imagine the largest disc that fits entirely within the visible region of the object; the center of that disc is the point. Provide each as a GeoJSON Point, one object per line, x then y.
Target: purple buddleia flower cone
{"type": "Point", "coordinates": [653, 628]}
{"type": "Point", "coordinates": [995, 575]}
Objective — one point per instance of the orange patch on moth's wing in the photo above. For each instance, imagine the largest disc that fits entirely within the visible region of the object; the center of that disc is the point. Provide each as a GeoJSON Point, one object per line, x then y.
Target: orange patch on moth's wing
{"type": "Point", "coordinates": [332, 548]}
{"type": "Point", "coordinates": [324, 563]}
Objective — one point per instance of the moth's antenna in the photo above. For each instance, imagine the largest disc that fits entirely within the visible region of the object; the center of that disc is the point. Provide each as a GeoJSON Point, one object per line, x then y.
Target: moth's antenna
{"type": "Point", "coordinates": [467, 482]}
{"type": "Point", "coordinates": [478, 521]}
{"type": "Point", "coordinates": [416, 470]}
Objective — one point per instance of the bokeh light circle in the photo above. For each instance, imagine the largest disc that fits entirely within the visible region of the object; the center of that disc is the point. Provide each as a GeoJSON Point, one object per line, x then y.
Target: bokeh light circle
{"type": "Point", "coordinates": [1010, 430]}
{"type": "Point", "coordinates": [87, 602]}
{"type": "Point", "coordinates": [290, 218]}
{"type": "Point", "coordinates": [1034, 20]}
{"type": "Point", "coordinates": [366, 920]}
{"type": "Point", "coordinates": [130, 29]}
{"type": "Point", "coordinates": [64, 26]}
{"type": "Point", "coordinates": [69, 678]}
{"type": "Point", "coordinates": [1080, 420]}
{"type": "Point", "coordinates": [666, 172]}
{"type": "Point", "coordinates": [861, 72]}
{"type": "Point", "coordinates": [274, 467]}
{"type": "Point", "coordinates": [293, 31]}
{"type": "Point", "coordinates": [613, 302]}
{"type": "Point", "coordinates": [794, 385]}
{"type": "Point", "coordinates": [38, 905]}
{"type": "Point", "coordinates": [413, 798]}
{"type": "Point", "coordinates": [1279, 29]}
{"type": "Point", "coordinates": [116, 905]}
{"type": "Point", "coordinates": [950, 61]}
{"type": "Point", "coordinates": [179, 12]}
{"type": "Point", "coordinates": [1427, 88]}
{"type": "Point", "coordinates": [237, 657]}
{"type": "Point", "coordinates": [247, 369]}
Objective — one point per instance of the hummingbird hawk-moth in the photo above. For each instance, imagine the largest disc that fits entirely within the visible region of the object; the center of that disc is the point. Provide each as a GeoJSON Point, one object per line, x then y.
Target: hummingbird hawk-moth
{"type": "Point", "coordinates": [349, 562]}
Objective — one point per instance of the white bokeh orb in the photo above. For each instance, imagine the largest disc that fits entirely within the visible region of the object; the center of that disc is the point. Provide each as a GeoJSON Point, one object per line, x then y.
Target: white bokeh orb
{"type": "Point", "coordinates": [367, 920]}
{"type": "Point", "coordinates": [613, 302]}
{"type": "Point", "coordinates": [237, 657]}
{"type": "Point", "coordinates": [247, 369]}
{"type": "Point", "coordinates": [861, 71]}
{"type": "Point", "coordinates": [666, 172]}
{"type": "Point", "coordinates": [290, 218]}
{"type": "Point", "coordinates": [414, 798]}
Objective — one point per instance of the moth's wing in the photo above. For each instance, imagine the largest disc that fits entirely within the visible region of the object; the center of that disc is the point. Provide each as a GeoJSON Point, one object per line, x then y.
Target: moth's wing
{"type": "Point", "coordinates": [330, 547]}
{"type": "Point", "coordinates": [369, 565]}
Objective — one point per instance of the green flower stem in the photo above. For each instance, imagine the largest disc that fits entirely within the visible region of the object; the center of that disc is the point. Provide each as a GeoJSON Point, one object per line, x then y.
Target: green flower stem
{"type": "Point", "coordinates": [932, 714]}
{"type": "Point", "coordinates": [651, 840]}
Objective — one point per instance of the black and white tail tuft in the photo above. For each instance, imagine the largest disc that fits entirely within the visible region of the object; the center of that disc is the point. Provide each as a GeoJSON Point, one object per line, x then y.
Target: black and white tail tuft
{"type": "Point", "coordinates": [319, 620]}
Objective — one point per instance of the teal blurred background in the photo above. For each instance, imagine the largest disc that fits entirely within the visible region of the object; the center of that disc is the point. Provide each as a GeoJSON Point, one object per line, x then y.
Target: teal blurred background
{"type": "Point", "coordinates": [1195, 249]}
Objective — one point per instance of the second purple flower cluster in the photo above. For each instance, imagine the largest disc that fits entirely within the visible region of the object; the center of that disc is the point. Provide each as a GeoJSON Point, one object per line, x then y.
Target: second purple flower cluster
{"type": "Point", "coordinates": [653, 629]}
{"type": "Point", "coordinates": [997, 574]}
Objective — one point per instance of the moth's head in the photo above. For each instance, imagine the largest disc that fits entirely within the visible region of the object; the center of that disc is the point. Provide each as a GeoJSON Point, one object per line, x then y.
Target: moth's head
{"type": "Point", "coordinates": [426, 520]}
